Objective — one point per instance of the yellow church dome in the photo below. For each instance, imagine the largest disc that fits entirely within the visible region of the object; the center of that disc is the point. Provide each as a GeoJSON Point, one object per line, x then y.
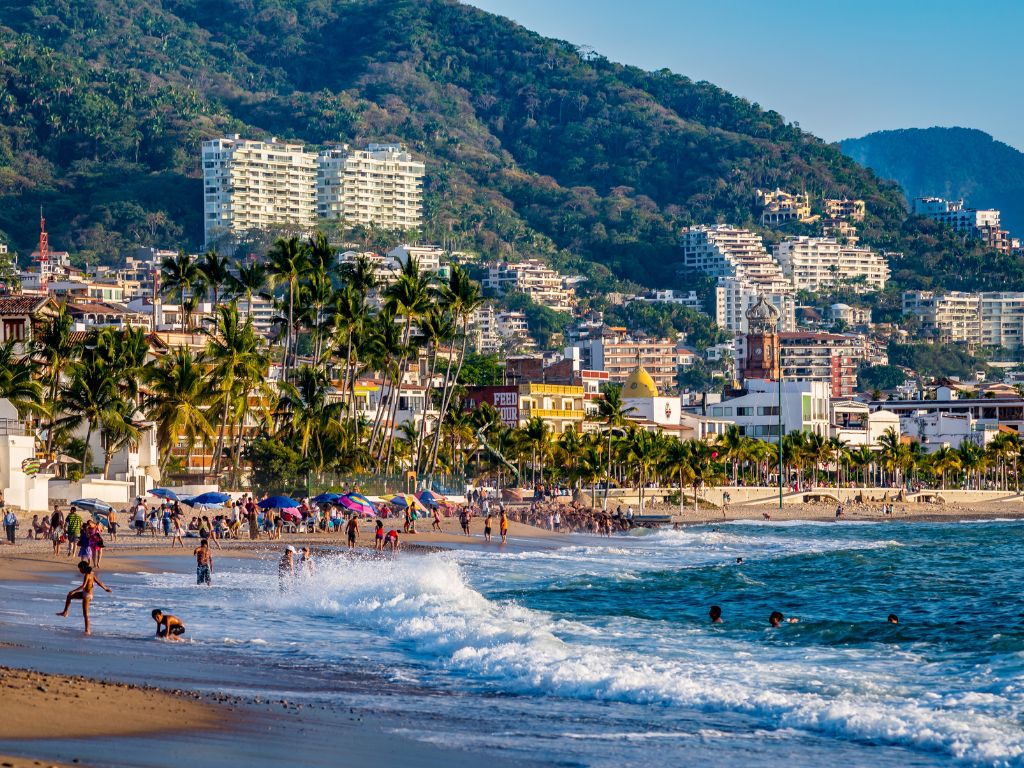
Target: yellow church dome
{"type": "Point", "coordinates": [639, 384]}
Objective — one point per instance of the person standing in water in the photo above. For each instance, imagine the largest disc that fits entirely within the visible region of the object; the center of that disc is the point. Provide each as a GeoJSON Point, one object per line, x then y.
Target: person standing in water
{"type": "Point", "coordinates": [715, 614]}
{"type": "Point", "coordinates": [286, 568]}
{"type": "Point", "coordinates": [204, 563]}
{"type": "Point", "coordinates": [503, 528]}
{"type": "Point", "coordinates": [84, 593]}
{"type": "Point", "coordinates": [352, 531]}
{"type": "Point", "coordinates": [487, 527]}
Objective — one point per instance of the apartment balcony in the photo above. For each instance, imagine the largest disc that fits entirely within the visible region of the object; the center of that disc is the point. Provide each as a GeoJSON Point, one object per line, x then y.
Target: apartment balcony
{"type": "Point", "coordinates": [554, 413]}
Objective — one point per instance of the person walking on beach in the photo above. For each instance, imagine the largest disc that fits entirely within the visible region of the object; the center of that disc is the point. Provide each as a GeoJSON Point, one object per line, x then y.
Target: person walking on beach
{"type": "Point", "coordinates": [11, 526]}
{"type": "Point", "coordinates": [504, 528]}
{"type": "Point", "coordinates": [112, 524]}
{"type": "Point", "coordinates": [96, 545]}
{"type": "Point", "coordinates": [73, 527]}
{"type": "Point", "coordinates": [83, 593]}
{"type": "Point", "coordinates": [378, 536]}
{"type": "Point", "coordinates": [204, 564]}
{"type": "Point", "coordinates": [352, 530]}
{"type": "Point", "coordinates": [179, 530]}
{"type": "Point", "coordinates": [435, 525]}
{"type": "Point", "coordinates": [168, 627]}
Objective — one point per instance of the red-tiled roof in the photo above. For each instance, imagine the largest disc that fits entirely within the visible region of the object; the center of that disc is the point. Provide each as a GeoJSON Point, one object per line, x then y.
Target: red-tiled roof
{"type": "Point", "coordinates": [21, 304]}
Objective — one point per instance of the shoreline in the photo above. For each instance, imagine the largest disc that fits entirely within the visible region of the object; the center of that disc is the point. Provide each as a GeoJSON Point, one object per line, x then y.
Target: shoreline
{"type": "Point", "coordinates": [263, 715]}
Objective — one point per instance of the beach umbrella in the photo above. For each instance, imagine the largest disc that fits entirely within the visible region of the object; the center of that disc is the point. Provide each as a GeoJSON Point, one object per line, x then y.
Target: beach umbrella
{"type": "Point", "coordinates": [278, 502]}
{"type": "Point", "coordinates": [432, 499]}
{"type": "Point", "coordinates": [407, 500]}
{"type": "Point", "coordinates": [209, 499]}
{"type": "Point", "coordinates": [326, 498]}
{"type": "Point", "coordinates": [93, 505]}
{"type": "Point", "coordinates": [164, 493]}
{"type": "Point", "coordinates": [358, 503]}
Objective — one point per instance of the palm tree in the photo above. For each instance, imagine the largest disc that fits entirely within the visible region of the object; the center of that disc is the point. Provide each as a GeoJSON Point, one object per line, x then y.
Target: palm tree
{"type": "Point", "coordinates": [53, 350]}
{"type": "Point", "coordinates": [288, 261]}
{"type": "Point", "coordinates": [891, 453]}
{"type": "Point", "coordinates": [537, 434]}
{"type": "Point", "coordinates": [678, 462]}
{"type": "Point", "coordinates": [18, 383]}
{"type": "Point", "coordinates": [349, 315]}
{"type": "Point", "coordinates": [731, 445]}
{"type": "Point", "coordinates": [117, 429]}
{"type": "Point", "coordinates": [238, 367]}
{"type": "Point", "coordinates": [178, 398]}
{"type": "Point", "coordinates": [944, 460]}
{"type": "Point", "coordinates": [180, 275]}
{"type": "Point", "coordinates": [644, 451]}
{"type": "Point", "coordinates": [862, 458]}
{"type": "Point", "coordinates": [409, 297]}
{"type": "Point", "coordinates": [460, 298]}
{"type": "Point", "coordinates": [706, 471]}
{"type": "Point", "coordinates": [90, 396]}
{"type": "Point", "coordinates": [309, 417]}
{"type": "Point", "coordinates": [615, 414]}
{"type": "Point", "coordinates": [250, 282]}
{"type": "Point", "coordinates": [214, 269]}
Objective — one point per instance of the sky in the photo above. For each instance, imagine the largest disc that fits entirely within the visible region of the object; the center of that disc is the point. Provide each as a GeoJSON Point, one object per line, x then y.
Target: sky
{"type": "Point", "coordinates": [840, 69]}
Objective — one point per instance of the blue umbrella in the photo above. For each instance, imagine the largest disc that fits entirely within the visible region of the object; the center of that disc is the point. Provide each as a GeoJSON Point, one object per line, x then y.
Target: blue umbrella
{"type": "Point", "coordinates": [164, 493]}
{"type": "Point", "coordinates": [278, 502]}
{"type": "Point", "coordinates": [210, 499]}
{"type": "Point", "coordinates": [326, 498]}
{"type": "Point", "coordinates": [92, 505]}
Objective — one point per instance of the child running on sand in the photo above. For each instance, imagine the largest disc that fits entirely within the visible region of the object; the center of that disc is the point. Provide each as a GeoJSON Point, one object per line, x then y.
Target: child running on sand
{"type": "Point", "coordinates": [168, 627]}
{"type": "Point", "coordinates": [84, 593]}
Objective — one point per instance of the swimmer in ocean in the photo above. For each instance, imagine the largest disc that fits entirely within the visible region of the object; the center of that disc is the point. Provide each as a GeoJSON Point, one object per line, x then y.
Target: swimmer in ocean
{"type": "Point", "coordinates": [893, 619]}
{"type": "Point", "coordinates": [777, 619]}
{"type": "Point", "coordinates": [168, 627]}
{"type": "Point", "coordinates": [715, 614]}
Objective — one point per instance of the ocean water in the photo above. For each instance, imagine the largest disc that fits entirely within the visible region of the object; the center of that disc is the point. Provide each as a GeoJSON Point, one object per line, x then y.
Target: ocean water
{"type": "Point", "coordinates": [600, 652]}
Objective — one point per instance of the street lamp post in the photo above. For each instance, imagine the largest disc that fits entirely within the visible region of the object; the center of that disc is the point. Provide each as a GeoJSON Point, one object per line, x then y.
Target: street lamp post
{"type": "Point", "coordinates": [778, 344]}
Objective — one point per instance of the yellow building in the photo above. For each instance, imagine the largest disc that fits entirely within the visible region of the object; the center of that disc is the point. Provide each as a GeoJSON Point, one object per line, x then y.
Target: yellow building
{"type": "Point", "coordinates": [561, 407]}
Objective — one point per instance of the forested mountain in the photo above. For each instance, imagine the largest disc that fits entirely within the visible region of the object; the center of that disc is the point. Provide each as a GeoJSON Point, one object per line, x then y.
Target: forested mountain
{"type": "Point", "coordinates": [532, 144]}
{"type": "Point", "coordinates": [951, 163]}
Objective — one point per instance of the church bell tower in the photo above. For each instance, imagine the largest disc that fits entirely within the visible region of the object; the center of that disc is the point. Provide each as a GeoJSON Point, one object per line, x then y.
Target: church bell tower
{"type": "Point", "coordinates": [762, 360]}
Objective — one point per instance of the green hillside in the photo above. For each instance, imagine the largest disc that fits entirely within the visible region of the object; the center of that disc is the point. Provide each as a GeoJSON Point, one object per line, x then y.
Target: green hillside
{"type": "Point", "coordinates": [951, 163]}
{"type": "Point", "coordinates": [531, 144]}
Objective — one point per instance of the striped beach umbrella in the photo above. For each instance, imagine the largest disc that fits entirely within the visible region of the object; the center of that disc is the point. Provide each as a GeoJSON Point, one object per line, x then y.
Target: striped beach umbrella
{"type": "Point", "coordinates": [407, 500]}
{"type": "Point", "coordinates": [358, 503]}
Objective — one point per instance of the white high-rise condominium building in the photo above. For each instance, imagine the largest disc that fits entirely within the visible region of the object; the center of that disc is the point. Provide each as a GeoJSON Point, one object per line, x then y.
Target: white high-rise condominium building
{"type": "Point", "coordinates": [381, 185]}
{"type": "Point", "coordinates": [254, 185]}
{"type": "Point", "coordinates": [745, 270]}
{"type": "Point", "coordinates": [952, 316]}
{"type": "Point", "coordinates": [817, 263]}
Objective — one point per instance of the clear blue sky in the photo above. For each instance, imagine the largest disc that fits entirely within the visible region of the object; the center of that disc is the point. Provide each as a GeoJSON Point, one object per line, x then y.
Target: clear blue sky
{"type": "Point", "coordinates": [840, 69]}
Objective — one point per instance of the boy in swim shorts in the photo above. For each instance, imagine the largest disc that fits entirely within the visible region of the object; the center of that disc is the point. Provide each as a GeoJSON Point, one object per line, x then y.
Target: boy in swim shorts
{"type": "Point", "coordinates": [168, 627]}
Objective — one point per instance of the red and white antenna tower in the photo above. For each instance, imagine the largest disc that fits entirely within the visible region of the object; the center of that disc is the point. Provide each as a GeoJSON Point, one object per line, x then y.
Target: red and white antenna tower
{"type": "Point", "coordinates": [44, 253]}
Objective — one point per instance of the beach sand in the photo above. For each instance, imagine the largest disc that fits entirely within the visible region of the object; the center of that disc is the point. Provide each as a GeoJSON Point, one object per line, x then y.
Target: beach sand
{"type": "Point", "coordinates": [83, 707]}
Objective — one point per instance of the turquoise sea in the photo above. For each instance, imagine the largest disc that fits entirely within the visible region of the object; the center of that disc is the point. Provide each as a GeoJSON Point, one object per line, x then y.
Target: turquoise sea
{"type": "Point", "coordinates": [599, 652]}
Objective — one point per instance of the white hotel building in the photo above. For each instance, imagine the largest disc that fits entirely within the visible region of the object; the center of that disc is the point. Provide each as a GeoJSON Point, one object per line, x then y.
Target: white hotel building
{"type": "Point", "coordinates": [817, 263]}
{"type": "Point", "coordinates": [254, 185]}
{"type": "Point", "coordinates": [381, 185]}
{"type": "Point", "coordinates": [745, 270]}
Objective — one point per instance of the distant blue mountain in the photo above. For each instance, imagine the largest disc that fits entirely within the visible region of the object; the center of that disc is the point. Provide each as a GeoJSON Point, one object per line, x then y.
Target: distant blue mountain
{"type": "Point", "coordinates": [950, 163]}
